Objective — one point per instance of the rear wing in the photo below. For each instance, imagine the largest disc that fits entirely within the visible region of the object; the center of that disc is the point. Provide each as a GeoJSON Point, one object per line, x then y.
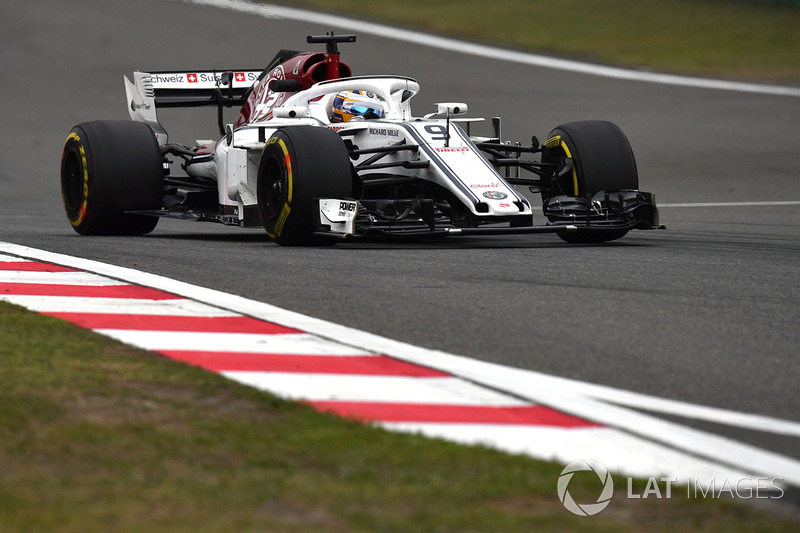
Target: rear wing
{"type": "Point", "coordinates": [151, 90]}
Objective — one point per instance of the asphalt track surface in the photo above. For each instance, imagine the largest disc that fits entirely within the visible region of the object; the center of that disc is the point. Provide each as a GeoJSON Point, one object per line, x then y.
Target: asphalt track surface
{"type": "Point", "coordinates": [706, 312]}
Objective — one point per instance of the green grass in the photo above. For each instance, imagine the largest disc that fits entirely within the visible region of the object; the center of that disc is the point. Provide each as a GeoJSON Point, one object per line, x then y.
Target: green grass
{"type": "Point", "coordinates": [753, 40]}
{"type": "Point", "coordinates": [98, 436]}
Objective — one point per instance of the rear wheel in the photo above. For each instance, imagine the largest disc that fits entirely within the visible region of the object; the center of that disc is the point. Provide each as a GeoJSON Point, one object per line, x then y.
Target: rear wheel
{"type": "Point", "coordinates": [108, 168]}
{"type": "Point", "coordinates": [602, 161]}
{"type": "Point", "coordinates": [299, 164]}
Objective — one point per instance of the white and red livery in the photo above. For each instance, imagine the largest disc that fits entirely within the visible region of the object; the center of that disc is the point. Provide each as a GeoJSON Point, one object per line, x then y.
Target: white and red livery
{"type": "Point", "coordinates": [284, 164]}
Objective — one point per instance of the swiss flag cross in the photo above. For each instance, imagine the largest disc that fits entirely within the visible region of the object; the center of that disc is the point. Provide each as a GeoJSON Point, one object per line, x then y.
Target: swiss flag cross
{"type": "Point", "coordinates": [192, 78]}
{"type": "Point", "coordinates": [239, 76]}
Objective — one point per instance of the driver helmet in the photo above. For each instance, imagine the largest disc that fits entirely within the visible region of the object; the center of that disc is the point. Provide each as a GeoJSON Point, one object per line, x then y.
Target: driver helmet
{"type": "Point", "coordinates": [358, 105]}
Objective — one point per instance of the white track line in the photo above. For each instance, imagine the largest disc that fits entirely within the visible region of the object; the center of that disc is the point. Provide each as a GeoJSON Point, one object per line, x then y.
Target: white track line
{"type": "Point", "coordinates": [287, 343]}
{"type": "Point", "coordinates": [732, 204]}
{"type": "Point", "coordinates": [464, 47]}
{"type": "Point", "coordinates": [719, 204]}
{"type": "Point", "coordinates": [666, 406]}
{"type": "Point", "coordinates": [557, 444]}
{"type": "Point", "coordinates": [56, 278]}
{"type": "Point", "coordinates": [71, 304]}
{"type": "Point", "coordinates": [392, 389]}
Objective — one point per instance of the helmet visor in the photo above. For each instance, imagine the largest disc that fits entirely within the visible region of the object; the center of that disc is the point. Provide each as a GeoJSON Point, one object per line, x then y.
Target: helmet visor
{"type": "Point", "coordinates": [363, 110]}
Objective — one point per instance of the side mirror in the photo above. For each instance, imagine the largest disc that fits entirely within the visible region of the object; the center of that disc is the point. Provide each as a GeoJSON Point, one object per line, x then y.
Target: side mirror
{"type": "Point", "coordinates": [448, 109]}
{"type": "Point", "coordinates": [292, 111]}
{"type": "Point", "coordinates": [451, 108]}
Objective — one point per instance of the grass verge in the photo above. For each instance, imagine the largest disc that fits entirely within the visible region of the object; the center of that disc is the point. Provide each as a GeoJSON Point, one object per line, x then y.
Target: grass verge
{"type": "Point", "coordinates": [98, 436]}
{"type": "Point", "coordinates": [735, 39]}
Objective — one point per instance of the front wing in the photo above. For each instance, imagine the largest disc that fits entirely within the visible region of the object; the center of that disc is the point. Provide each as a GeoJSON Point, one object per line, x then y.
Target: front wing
{"type": "Point", "coordinates": [604, 211]}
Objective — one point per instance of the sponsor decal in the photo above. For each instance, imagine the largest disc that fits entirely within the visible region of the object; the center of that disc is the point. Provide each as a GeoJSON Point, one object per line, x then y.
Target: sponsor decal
{"type": "Point", "coordinates": [346, 208]}
{"type": "Point", "coordinates": [204, 79]}
{"type": "Point", "coordinates": [169, 78]}
{"type": "Point", "coordinates": [484, 186]}
{"type": "Point", "coordinates": [207, 78]}
{"type": "Point", "coordinates": [495, 195]}
{"type": "Point", "coordinates": [553, 142]}
{"type": "Point", "coordinates": [505, 205]}
{"type": "Point", "coordinates": [339, 215]}
{"type": "Point", "coordinates": [448, 149]}
{"type": "Point", "coordinates": [385, 132]}
{"type": "Point", "coordinates": [136, 107]}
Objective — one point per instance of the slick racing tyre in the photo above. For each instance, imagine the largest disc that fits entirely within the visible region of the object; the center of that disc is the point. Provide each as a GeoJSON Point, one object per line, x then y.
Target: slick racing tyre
{"type": "Point", "coordinates": [602, 161]}
{"type": "Point", "coordinates": [107, 169]}
{"type": "Point", "coordinates": [299, 164]}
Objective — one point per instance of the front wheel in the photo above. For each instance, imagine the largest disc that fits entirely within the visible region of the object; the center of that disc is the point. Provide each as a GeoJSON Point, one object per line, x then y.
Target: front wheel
{"type": "Point", "coordinates": [299, 164]}
{"type": "Point", "coordinates": [109, 168]}
{"type": "Point", "coordinates": [602, 160]}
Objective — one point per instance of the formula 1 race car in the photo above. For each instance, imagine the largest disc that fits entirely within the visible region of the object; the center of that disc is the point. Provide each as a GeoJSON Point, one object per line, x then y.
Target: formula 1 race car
{"type": "Point", "coordinates": [317, 154]}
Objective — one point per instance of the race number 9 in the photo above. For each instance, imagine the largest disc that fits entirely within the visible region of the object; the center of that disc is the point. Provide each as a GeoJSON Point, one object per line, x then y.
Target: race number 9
{"type": "Point", "coordinates": [438, 133]}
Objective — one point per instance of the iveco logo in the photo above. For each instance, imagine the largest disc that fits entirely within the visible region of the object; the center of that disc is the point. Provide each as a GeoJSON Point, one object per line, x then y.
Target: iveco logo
{"type": "Point", "coordinates": [495, 195]}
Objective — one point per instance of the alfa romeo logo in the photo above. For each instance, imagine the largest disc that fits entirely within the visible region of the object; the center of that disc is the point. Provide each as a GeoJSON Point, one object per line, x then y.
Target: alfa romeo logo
{"type": "Point", "coordinates": [495, 195]}
{"type": "Point", "coordinates": [585, 509]}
